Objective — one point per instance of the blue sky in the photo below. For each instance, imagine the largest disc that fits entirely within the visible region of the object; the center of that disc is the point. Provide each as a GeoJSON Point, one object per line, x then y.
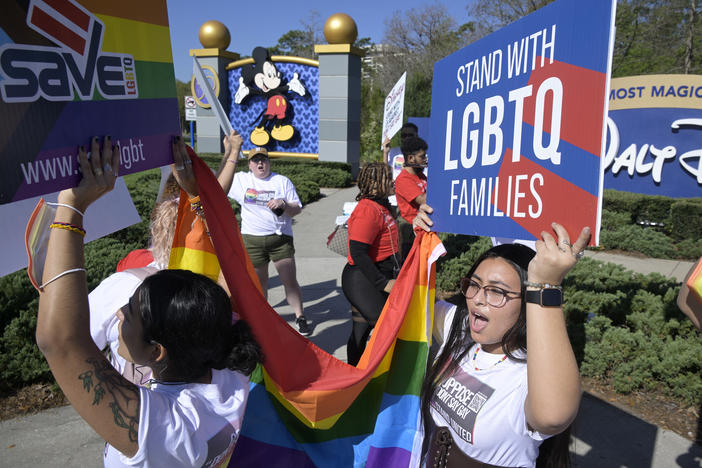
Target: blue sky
{"type": "Point", "coordinates": [254, 23]}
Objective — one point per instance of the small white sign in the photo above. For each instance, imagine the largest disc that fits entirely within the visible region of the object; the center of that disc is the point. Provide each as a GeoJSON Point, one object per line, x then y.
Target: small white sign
{"type": "Point", "coordinates": [190, 114]}
{"type": "Point", "coordinates": [190, 102]}
{"type": "Point", "coordinates": [110, 213]}
{"type": "Point", "coordinates": [394, 109]}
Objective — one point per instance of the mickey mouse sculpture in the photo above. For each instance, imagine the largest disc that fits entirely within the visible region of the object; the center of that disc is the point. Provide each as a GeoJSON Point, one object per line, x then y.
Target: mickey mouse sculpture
{"type": "Point", "coordinates": [262, 78]}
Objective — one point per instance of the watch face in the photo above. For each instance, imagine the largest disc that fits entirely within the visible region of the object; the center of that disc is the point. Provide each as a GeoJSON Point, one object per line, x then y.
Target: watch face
{"type": "Point", "coordinates": [551, 297]}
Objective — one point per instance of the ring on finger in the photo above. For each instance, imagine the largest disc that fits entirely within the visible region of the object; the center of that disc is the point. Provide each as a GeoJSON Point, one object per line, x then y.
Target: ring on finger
{"type": "Point", "coordinates": [108, 168]}
{"type": "Point", "coordinates": [98, 171]}
{"type": "Point", "coordinates": [565, 242]}
{"type": "Point", "coordinates": [562, 249]}
{"type": "Point", "coordinates": [579, 255]}
{"type": "Point", "coordinates": [188, 162]}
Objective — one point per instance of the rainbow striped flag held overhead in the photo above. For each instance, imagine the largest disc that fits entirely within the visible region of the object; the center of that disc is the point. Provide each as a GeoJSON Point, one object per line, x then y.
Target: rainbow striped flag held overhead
{"type": "Point", "coordinates": [307, 408]}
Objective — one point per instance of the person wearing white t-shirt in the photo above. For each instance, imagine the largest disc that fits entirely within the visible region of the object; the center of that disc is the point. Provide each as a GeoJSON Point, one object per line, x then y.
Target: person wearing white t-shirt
{"type": "Point", "coordinates": [484, 394]}
{"type": "Point", "coordinates": [177, 323]}
{"type": "Point", "coordinates": [114, 292]}
{"type": "Point", "coordinates": [268, 203]}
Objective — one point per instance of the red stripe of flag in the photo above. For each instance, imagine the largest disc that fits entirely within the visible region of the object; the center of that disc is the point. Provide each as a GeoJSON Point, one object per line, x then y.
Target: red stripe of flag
{"type": "Point", "coordinates": [69, 10]}
{"type": "Point", "coordinates": [57, 30]}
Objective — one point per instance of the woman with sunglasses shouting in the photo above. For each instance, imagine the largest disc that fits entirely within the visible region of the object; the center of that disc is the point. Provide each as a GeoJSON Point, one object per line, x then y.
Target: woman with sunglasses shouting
{"type": "Point", "coordinates": [486, 401]}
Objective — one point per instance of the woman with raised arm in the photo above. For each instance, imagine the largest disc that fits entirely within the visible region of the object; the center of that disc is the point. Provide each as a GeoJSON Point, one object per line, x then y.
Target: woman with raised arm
{"type": "Point", "coordinates": [177, 322]}
{"type": "Point", "coordinates": [486, 401]}
{"type": "Point", "coordinates": [114, 292]}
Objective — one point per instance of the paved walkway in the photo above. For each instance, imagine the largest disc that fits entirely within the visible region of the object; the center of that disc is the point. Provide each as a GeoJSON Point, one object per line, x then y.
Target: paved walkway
{"type": "Point", "coordinates": [605, 436]}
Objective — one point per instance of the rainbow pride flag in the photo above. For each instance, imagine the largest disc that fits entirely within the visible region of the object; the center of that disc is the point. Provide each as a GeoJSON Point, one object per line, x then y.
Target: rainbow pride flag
{"type": "Point", "coordinates": [74, 69]}
{"type": "Point", "coordinates": [307, 408]}
{"type": "Point", "coordinates": [694, 282]}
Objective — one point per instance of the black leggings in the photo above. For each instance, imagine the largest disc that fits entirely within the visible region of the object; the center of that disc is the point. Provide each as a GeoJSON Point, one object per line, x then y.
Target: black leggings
{"type": "Point", "coordinates": [369, 301]}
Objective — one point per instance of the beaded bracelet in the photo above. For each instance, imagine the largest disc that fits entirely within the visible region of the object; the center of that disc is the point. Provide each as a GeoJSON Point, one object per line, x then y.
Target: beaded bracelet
{"type": "Point", "coordinates": [68, 227]}
{"type": "Point", "coordinates": [198, 209]}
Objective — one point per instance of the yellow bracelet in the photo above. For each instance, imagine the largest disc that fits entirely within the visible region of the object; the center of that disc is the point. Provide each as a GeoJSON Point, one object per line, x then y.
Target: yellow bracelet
{"type": "Point", "coordinates": [68, 227]}
{"type": "Point", "coordinates": [194, 200]}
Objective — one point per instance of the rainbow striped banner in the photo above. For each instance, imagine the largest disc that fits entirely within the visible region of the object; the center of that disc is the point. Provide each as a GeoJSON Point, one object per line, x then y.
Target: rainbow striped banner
{"type": "Point", "coordinates": [694, 282]}
{"type": "Point", "coordinates": [306, 408]}
{"type": "Point", "coordinates": [71, 70]}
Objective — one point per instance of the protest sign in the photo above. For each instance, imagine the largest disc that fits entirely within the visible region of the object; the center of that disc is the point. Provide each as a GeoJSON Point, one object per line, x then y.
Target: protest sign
{"type": "Point", "coordinates": [72, 70]}
{"type": "Point", "coordinates": [394, 108]}
{"type": "Point", "coordinates": [654, 137]}
{"type": "Point", "coordinates": [517, 125]}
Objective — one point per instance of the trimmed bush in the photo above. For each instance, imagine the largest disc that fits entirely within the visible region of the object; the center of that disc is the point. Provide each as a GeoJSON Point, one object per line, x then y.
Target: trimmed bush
{"type": "Point", "coordinates": [679, 236]}
{"type": "Point", "coordinates": [637, 239]}
{"type": "Point", "coordinates": [613, 220]}
{"type": "Point", "coordinates": [686, 219]}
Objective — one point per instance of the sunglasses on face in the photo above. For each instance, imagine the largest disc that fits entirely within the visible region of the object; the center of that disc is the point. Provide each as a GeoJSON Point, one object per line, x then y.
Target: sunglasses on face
{"type": "Point", "coordinates": [258, 159]}
{"type": "Point", "coordinates": [494, 296]}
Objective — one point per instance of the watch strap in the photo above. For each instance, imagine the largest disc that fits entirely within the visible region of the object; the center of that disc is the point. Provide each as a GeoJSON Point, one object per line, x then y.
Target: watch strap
{"type": "Point", "coordinates": [546, 297]}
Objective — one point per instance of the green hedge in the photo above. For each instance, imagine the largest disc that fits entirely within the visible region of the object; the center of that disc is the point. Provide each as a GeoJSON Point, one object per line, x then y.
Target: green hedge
{"type": "Point", "coordinates": [656, 226]}
{"type": "Point", "coordinates": [686, 219]}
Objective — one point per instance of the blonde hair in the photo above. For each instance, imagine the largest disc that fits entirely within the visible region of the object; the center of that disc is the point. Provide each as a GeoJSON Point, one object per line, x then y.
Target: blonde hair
{"type": "Point", "coordinates": [163, 222]}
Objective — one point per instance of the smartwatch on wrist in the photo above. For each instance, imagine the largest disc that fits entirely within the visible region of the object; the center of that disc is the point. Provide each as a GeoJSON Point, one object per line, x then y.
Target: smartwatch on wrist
{"type": "Point", "coordinates": [546, 297]}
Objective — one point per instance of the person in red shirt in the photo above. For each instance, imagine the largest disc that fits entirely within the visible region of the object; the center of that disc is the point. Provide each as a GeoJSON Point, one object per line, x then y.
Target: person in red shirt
{"type": "Point", "coordinates": [411, 188]}
{"type": "Point", "coordinates": [373, 260]}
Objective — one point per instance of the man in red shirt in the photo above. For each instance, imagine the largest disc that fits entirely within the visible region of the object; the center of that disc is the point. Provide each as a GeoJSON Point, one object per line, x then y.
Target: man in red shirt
{"type": "Point", "coordinates": [411, 188]}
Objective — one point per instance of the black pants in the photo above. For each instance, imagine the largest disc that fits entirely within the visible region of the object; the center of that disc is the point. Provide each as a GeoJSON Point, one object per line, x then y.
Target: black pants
{"type": "Point", "coordinates": [369, 301]}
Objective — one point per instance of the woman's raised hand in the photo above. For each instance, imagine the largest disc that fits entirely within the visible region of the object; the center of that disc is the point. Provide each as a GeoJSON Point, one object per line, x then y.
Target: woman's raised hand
{"type": "Point", "coordinates": [182, 168]}
{"type": "Point", "coordinates": [233, 141]}
{"type": "Point", "coordinates": [555, 256]}
{"type": "Point", "coordinates": [100, 171]}
{"type": "Point", "coordinates": [422, 220]}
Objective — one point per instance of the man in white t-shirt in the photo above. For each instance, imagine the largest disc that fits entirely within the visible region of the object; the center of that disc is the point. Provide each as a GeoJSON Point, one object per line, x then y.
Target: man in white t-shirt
{"type": "Point", "coordinates": [268, 203]}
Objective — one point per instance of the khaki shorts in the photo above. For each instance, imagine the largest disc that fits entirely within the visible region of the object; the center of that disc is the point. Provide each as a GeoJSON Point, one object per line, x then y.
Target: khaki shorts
{"type": "Point", "coordinates": [271, 248]}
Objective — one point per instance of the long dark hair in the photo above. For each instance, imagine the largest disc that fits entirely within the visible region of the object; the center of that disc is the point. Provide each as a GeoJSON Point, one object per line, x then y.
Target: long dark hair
{"type": "Point", "coordinates": [554, 451]}
{"type": "Point", "coordinates": [191, 316]}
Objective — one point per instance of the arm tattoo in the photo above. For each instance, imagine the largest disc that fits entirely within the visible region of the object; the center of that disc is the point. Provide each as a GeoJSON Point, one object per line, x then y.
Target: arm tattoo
{"type": "Point", "coordinates": [123, 397]}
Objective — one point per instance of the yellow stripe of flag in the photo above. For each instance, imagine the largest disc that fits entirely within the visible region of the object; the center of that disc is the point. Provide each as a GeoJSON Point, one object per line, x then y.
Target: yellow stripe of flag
{"type": "Point", "coordinates": [198, 261]}
{"type": "Point", "coordinates": [145, 42]}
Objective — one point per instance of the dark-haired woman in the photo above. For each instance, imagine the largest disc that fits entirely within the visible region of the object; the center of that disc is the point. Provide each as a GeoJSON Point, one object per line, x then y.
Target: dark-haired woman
{"type": "Point", "coordinates": [373, 259]}
{"type": "Point", "coordinates": [486, 401]}
{"type": "Point", "coordinates": [177, 323]}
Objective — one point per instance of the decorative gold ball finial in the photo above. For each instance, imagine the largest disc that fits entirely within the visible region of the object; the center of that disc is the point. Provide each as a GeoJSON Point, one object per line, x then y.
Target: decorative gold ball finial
{"type": "Point", "coordinates": [214, 35]}
{"type": "Point", "coordinates": [340, 28]}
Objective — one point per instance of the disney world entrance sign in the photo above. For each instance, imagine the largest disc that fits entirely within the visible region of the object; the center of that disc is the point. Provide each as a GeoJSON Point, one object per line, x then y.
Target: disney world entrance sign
{"type": "Point", "coordinates": [654, 135]}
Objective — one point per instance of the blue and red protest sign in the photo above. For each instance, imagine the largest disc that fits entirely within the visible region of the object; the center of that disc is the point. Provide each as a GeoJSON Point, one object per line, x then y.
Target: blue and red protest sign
{"type": "Point", "coordinates": [517, 125]}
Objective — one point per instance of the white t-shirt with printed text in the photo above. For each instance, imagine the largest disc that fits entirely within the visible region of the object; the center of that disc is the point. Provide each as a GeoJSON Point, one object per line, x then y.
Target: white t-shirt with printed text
{"type": "Point", "coordinates": [189, 424]}
{"type": "Point", "coordinates": [253, 193]}
{"type": "Point", "coordinates": [484, 409]}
